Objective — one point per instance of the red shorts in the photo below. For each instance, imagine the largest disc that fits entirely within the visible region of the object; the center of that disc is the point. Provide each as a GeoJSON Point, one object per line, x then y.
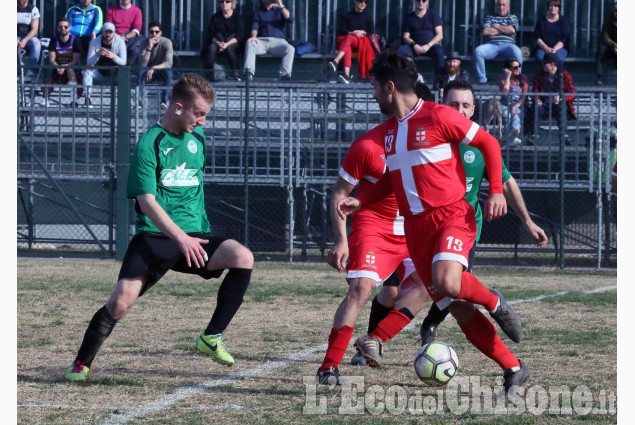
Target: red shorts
{"type": "Point", "coordinates": [375, 254]}
{"type": "Point", "coordinates": [444, 233]}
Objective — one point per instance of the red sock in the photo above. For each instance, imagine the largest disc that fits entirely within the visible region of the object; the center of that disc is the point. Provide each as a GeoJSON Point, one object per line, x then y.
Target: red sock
{"type": "Point", "coordinates": [482, 334]}
{"type": "Point", "coordinates": [474, 291]}
{"type": "Point", "coordinates": [338, 343]}
{"type": "Point", "coordinates": [391, 325]}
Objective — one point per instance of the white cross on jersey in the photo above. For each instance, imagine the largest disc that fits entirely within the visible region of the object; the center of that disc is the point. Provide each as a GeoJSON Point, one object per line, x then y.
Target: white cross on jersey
{"type": "Point", "coordinates": [406, 160]}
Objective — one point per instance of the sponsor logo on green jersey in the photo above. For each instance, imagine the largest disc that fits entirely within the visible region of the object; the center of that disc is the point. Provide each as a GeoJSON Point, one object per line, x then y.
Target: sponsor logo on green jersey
{"type": "Point", "coordinates": [180, 176]}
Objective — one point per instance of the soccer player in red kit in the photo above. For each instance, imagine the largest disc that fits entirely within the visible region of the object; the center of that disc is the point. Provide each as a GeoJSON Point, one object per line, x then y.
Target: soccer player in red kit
{"type": "Point", "coordinates": [374, 249]}
{"type": "Point", "coordinates": [421, 144]}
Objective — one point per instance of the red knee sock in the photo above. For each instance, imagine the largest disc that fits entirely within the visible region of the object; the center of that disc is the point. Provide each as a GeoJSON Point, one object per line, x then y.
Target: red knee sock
{"type": "Point", "coordinates": [474, 291]}
{"type": "Point", "coordinates": [482, 334]}
{"type": "Point", "coordinates": [338, 343]}
{"type": "Point", "coordinates": [391, 325]}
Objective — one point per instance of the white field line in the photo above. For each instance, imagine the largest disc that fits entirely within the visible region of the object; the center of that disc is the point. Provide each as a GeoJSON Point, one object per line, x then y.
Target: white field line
{"type": "Point", "coordinates": [183, 393]}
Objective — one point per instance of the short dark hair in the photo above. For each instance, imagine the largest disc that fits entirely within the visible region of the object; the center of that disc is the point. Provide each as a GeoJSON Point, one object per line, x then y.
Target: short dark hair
{"type": "Point", "coordinates": [457, 84]}
{"type": "Point", "coordinates": [555, 2]}
{"type": "Point", "coordinates": [423, 92]}
{"type": "Point", "coordinates": [191, 85]}
{"type": "Point", "coordinates": [400, 69]}
{"type": "Point", "coordinates": [155, 24]}
{"type": "Point", "coordinates": [62, 19]}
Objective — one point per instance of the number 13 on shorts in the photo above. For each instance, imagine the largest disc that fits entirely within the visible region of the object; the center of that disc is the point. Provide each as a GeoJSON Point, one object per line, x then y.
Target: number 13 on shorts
{"type": "Point", "coordinates": [454, 244]}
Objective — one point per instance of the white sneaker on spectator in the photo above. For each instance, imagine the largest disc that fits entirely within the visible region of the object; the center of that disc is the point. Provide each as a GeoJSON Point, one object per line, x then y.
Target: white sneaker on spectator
{"type": "Point", "coordinates": [343, 80]}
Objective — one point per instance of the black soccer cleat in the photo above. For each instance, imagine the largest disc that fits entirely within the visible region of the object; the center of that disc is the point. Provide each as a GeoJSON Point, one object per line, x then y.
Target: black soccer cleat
{"type": "Point", "coordinates": [507, 318]}
{"type": "Point", "coordinates": [331, 376]}
{"type": "Point", "coordinates": [516, 378]}
{"type": "Point", "coordinates": [429, 326]}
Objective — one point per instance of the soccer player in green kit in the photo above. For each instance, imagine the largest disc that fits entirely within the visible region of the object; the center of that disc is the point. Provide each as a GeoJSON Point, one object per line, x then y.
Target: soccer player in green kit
{"type": "Point", "coordinates": [172, 229]}
{"type": "Point", "coordinates": [459, 95]}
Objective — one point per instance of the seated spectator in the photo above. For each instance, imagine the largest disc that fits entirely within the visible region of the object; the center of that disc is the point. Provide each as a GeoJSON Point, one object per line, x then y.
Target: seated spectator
{"type": "Point", "coordinates": [547, 80]}
{"type": "Point", "coordinates": [268, 36]}
{"type": "Point", "coordinates": [225, 33]}
{"type": "Point", "coordinates": [65, 50]}
{"type": "Point", "coordinates": [423, 35]}
{"type": "Point", "coordinates": [105, 50]}
{"type": "Point", "coordinates": [28, 26]}
{"type": "Point", "coordinates": [86, 21]}
{"type": "Point", "coordinates": [156, 63]}
{"type": "Point", "coordinates": [607, 45]}
{"type": "Point", "coordinates": [128, 20]}
{"type": "Point", "coordinates": [513, 82]}
{"type": "Point", "coordinates": [552, 33]}
{"type": "Point", "coordinates": [353, 32]}
{"type": "Point", "coordinates": [499, 36]}
{"type": "Point", "coordinates": [451, 72]}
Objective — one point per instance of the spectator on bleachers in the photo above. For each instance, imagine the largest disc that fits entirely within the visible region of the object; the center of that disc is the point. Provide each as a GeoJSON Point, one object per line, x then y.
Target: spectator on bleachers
{"type": "Point", "coordinates": [105, 50]}
{"type": "Point", "coordinates": [156, 63]}
{"type": "Point", "coordinates": [607, 45]}
{"type": "Point", "coordinates": [547, 80]}
{"type": "Point", "coordinates": [353, 32]}
{"type": "Point", "coordinates": [499, 39]}
{"type": "Point", "coordinates": [28, 26]}
{"type": "Point", "coordinates": [423, 34]}
{"type": "Point", "coordinates": [225, 33]}
{"type": "Point", "coordinates": [451, 72]}
{"type": "Point", "coordinates": [128, 20]}
{"type": "Point", "coordinates": [513, 82]}
{"type": "Point", "coordinates": [65, 50]}
{"type": "Point", "coordinates": [552, 33]}
{"type": "Point", "coordinates": [86, 21]}
{"type": "Point", "coordinates": [268, 36]}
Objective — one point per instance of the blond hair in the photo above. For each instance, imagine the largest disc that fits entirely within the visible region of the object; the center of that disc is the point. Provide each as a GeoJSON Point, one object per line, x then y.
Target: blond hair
{"type": "Point", "coordinates": [191, 85]}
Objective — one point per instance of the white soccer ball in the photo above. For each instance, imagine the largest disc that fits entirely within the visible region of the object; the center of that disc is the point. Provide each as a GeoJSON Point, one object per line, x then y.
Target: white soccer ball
{"type": "Point", "coordinates": [436, 363]}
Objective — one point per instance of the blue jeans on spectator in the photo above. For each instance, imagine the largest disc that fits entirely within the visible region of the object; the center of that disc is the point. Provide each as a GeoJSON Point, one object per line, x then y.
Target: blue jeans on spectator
{"type": "Point", "coordinates": [511, 121]}
{"type": "Point", "coordinates": [435, 53]}
{"type": "Point", "coordinates": [491, 51]}
{"type": "Point", "coordinates": [561, 53]}
{"type": "Point", "coordinates": [165, 75]}
{"type": "Point", "coordinates": [33, 48]}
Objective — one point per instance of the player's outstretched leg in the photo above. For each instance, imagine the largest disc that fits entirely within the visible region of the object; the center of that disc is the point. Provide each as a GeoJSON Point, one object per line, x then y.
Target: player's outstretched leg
{"type": "Point", "coordinates": [507, 318]}
{"type": "Point", "coordinates": [378, 312]}
{"type": "Point", "coordinates": [429, 326]}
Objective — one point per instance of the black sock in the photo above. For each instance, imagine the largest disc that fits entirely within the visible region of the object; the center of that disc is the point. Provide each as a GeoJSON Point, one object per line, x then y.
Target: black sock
{"type": "Point", "coordinates": [435, 316]}
{"type": "Point", "coordinates": [230, 297]}
{"type": "Point", "coordinates": [406, 312]}
{"type": "Point", "coordinates": [101, 325]}
{"type": "Point", "coordinates": [378, 312]}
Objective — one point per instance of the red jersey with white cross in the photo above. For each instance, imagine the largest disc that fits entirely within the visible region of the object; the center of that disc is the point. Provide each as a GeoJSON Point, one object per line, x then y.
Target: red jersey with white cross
{"type": "Point", "coordinates": [423, 158]}
{"type": "Point", "coordinates": [363, 165]}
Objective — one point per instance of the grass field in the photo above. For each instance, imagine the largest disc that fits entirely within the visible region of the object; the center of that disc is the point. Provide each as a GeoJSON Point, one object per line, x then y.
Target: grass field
{"type": "Point", "coordinates": [148, 371]}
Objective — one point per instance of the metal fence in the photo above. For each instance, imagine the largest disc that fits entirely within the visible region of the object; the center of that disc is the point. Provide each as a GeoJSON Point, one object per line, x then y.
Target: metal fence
{"type": "Point", "coordinates": [274, 151]}
{"type": "Point", "coordinates": [185, 21]}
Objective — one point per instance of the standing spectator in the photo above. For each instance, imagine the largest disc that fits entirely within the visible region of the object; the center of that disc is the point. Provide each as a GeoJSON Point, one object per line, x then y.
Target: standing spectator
{"type": "Point", "coordinates": [552, 33]}
{"type": "Point", "coordinates": [451, 72]}
{"type": "Point", "coordinates": [607, 45]}
{"type": "Point", "coordinates": [28, 26]}
{"type": "Point", "coordinates": [65, 50]}
{"type": "Point", "coordinates": [353, 33]}
{"type": "Point", "coordinates": [225, 33]}
{"type": "Point", "coordinates": [128, 20]}
{"type": "Point", "coordinates": [105, 50]}
{"type": "Point", "coordinates": [268, 36]}
{"type": "Point", "coordinates": [499, 36]}
{"type": "Point", "coordinates": [423, 35]}
{"type": "Point", "coordinates": [547, 80]}
{"type": "Point", "coordinates": [86, 21]}
{"type": "Point", "coordinates": [156, 63]}
{"type": "Point", "coordinates": [513, 82]}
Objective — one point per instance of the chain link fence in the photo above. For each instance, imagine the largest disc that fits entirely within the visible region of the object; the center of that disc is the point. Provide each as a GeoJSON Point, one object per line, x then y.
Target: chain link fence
{"type": "Point", "coordinates": [274, 152]}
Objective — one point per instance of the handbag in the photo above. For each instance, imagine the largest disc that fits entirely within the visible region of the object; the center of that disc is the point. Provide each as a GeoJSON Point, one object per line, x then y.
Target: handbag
{"type": "Point", "coordinates": [302, 47]}
{"type": "Point", "coordinates": [378, 42]}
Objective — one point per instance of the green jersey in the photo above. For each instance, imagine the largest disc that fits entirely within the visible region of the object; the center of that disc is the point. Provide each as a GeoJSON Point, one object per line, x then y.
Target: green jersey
{"type": "Point", "coordinates": [474, 166]}
{"type": "Point", "coordinates": [170, 167]}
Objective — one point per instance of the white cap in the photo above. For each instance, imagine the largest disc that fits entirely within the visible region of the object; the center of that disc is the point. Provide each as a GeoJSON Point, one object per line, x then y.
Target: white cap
{"type": "Point", "coordinates": [108, 26]}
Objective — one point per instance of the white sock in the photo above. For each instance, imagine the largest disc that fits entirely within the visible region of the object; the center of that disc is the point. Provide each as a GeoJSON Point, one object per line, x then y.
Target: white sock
{"type": "Point", "coordinates": [498, 303]}
{"type": "Point", "coordinates": [515, 368]}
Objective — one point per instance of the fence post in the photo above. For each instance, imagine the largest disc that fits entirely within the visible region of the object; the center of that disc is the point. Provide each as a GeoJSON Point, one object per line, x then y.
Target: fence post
{"type": "Point", "coordinates": [122, 146]}
{"type": "Point", "coordinates": [562, 123]}
{"type": "Point", "coordinates": [246, 164]}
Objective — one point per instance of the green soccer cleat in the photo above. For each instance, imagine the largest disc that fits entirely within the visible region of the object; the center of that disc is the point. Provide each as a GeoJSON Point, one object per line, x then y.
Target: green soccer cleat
{"type": "Point", "coordinates": [76, 372]}
{"type": "Point", "coordinates": [213, 346]}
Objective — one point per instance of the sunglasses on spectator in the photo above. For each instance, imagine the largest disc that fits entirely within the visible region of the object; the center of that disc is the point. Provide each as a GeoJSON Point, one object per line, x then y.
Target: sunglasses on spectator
{"type": "Point", "coordinates": [421, 1]}
{"type": "Point", "coordinates": [514, 68]}
{"type": "Point", "coordinates": [62, 27]}
{"type": "Point", "coordinates": [154, 31]}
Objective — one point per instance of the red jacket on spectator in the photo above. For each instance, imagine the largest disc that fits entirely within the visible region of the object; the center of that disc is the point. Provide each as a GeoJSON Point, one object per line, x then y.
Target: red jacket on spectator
{"type": "Point", "coordinates": [542, 84]}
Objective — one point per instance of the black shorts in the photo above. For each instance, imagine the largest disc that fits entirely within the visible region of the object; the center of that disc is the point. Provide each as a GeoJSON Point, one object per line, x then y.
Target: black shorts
{"type": "Point", "coordinates": [151, 255]}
